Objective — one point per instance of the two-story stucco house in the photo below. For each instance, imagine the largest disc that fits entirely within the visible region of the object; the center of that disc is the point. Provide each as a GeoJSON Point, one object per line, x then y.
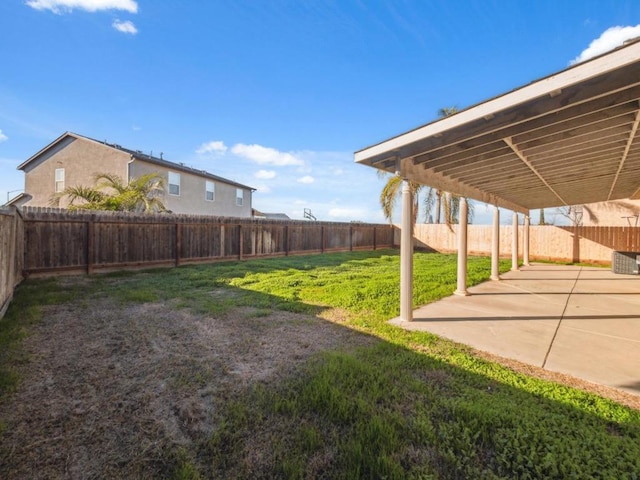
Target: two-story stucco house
{"type": "Point", "coordinates": [73, 160]}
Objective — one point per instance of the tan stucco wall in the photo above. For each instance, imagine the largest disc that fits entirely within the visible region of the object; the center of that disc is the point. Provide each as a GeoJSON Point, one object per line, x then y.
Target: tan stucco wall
{"type": "Point", "coordinates": [614, 213]}
{"type": "Point", "coordinates": [81, 160]}
{"type": "Point", "coordinates": [192, 193]}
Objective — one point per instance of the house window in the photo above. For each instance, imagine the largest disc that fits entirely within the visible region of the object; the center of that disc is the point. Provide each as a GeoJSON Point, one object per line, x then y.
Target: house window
{"type": "Point", "coordinates": [210, 192]}
{"type": "Point", "coordinates": [59, 180]}
{"type": "Point", "coordinates": [174, 183]}
{"type": "Point", "coordinates": [239, 197]}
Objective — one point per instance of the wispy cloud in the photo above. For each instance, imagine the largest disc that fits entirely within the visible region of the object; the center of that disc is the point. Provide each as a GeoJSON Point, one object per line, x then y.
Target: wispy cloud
{"type": "Point", "coordinates": [265, 174]}
{"type": "Point", "coordinates": [265, 155]}
{"type": "Point", "coordinates": [611, 38]}
{"type": "Point", "coordinates": [214, 147]}
{"type": "Point", "coordinates": [59, 6]}
{"type": "Point", "coordinates": [3, 137]}
{"type": "Point", "coordinates": [327, 182]}
{"type": "Point", "coordinates": [125, 27]}
{"type": "Point", "coordinates": [306, 179]}
{"type": "Point", "coordinates": [348, 213]}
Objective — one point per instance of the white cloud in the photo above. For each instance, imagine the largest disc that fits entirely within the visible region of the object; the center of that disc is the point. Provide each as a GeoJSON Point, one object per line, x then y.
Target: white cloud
{"type": "Point", "coordinates": [611, 38]}
{"type": "Point", "coordinates": [125, 27]}
{"type": "Point", "coordinates": [3, 137]}
{"type": "Point", "coordinates": [265, 155]}
{"type": "Point", "coordinates": [214, 147]}
{"type": "Point", "coordinates": [265, 174]}
{"type": "Point", "coordinates": [263, 189]}
{"type": "Point", "coordinates": [57, 6]}
{"type": "Point", "coordinates": [348, 213]}
{"type": "Point", "coordinates": [306, 179]}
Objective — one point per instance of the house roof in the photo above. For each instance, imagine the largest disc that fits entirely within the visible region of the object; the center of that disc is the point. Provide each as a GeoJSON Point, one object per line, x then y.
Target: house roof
{"type": "Point", "coordinates": [271, 216]}
{"type": "Point", "coordinates": [138, 155]}
{"type": "Point", "coordinates": [18, 200]}
{"type": "Point", "coordinates": [566, 139]}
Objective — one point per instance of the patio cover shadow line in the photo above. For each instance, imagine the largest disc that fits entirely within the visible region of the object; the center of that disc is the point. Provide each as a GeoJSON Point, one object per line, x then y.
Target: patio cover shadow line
{"type": "Point", "coordinates": [499, 294]}
{"type": "Point", "coordinates": [523, 317]}
{"type": "Point", "coordinates": [630, 278]}
{"type": "Point", "coordinates": [631, 386]}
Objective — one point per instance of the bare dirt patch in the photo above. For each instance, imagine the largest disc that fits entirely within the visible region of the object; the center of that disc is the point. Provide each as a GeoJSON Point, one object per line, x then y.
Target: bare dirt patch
{"type": "Point", "coordinates": [114, 391]}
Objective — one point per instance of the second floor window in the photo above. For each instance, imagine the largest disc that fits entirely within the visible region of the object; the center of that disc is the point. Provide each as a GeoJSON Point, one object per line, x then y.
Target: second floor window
{"type": "Point", "coordinates": [239, 197]}
{"type": "Point", "coordinates": [210, 192]}
{"type": "Point", "coordinates": [174, 183]}
{"type": "Point", "coordinates": [59, 180]}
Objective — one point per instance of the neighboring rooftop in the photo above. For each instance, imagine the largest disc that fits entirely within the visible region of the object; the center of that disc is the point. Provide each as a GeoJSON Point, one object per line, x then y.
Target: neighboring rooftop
{"type": "Point", "coordinates": [139, 155]}
{"type": "Point", "coordinates": [271, 216]}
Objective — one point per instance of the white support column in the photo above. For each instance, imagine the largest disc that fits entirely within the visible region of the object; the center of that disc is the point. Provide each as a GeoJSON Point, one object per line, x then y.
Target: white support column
{"type": "Point", "coordinates": [406, 255]}
{"type": "Point", "coordinates": [495, 245]}
{"type": "Point", "coordinates": [525, 241]}
{"type": "Point", "coordinates": [462, 249]}
{"type": "Point", "coordinates": [514, 246]}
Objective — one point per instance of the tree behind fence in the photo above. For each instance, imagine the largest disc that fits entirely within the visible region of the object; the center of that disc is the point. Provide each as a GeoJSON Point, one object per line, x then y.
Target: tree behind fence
{"type": "Point", "coordinates": [58, 240]}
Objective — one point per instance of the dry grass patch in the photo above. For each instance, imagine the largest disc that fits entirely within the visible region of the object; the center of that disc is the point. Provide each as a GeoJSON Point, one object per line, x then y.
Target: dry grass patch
{"type": "Point", "coordinates": [114, 391]}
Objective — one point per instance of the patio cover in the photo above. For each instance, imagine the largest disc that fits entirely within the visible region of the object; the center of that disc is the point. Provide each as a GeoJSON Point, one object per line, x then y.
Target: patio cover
{"type": "Point", "coordinates": [567, 139]}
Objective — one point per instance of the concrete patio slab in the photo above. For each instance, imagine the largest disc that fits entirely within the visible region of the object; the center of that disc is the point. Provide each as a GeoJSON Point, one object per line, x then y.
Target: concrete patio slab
{"type": "Point", "coordinates": [579, 321]}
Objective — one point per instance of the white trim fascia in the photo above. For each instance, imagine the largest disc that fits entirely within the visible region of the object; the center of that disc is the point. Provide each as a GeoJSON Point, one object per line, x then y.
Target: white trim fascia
{"type": "Point", "coordinates": [546, 86]}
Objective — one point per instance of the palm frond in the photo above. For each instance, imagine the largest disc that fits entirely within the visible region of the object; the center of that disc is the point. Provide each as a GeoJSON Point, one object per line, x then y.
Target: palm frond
{"type": "Point", "coordinates": [389, 196]}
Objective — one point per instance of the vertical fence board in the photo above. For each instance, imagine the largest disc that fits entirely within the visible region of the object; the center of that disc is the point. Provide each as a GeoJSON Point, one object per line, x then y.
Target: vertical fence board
{"type": "Point", "coordinates": [88, 241]}
{"type": "Point", "coordinates": [11, 255]}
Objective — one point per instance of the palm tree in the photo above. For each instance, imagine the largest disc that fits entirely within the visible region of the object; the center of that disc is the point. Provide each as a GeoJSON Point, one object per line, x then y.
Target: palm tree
{"type": "Point", "coordinates": [390, 193]}
{"type": "Point", "coordinates": [141, 194]}
{"type": "Point", "coordinates": [449, 205]}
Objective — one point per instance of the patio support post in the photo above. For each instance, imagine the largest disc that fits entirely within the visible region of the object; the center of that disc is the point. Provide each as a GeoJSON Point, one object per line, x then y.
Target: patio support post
{"type": "Point", "coordinates": [525, 241]}
{"type": "Point", "coordinates": [495, 245]}
{"type": "Point", "coordinates": [462, 249]}
{"type": "Point", "coordinates": [406, 255]}
{"type": "Point", "coordinates": [514, 246]}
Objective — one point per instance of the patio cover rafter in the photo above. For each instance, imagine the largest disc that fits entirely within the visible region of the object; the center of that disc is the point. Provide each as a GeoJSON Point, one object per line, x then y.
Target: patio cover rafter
{"type": "Point", "coordinates": [574, 132]}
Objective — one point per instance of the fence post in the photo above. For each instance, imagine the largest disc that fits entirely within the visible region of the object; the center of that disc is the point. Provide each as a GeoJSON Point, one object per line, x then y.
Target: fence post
{"type": "Point", "coordinates": [90, 247]}
{"type": "Point", "coordinates": [321, 238]}
{"type": "Point", "coordinates": [239, 242]}
{"type": "Point", "coordinates": [351, 238]}
{"type": "Point", "coordinates": [178, 243]}
{"type": "Point", "coordinates": [374, 238]}
{"type": "Point", "coordinates": [286, 240]}
{"type": "Point", "coordinates": [223, 250]}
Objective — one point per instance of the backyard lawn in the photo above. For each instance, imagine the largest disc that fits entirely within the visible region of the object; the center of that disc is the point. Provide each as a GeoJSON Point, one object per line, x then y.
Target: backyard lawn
{"type": "Point", "coordinates": [283, 368]}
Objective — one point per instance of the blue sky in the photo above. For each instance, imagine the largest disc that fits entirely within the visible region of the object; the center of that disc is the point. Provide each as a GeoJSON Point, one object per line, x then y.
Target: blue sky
{"type": "Point", "coordinates": [274, 94]}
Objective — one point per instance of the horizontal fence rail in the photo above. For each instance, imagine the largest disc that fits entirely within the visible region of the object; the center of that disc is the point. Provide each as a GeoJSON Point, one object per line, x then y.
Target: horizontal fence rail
{"type": "Point", "coordinates": [59, 240]}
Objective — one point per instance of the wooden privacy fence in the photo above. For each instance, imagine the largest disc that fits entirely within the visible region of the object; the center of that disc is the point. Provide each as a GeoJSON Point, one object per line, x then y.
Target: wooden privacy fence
{"type": "Point", "coordinates": [11, 255]}
{"type": "Point", "coordinates": [57, 240]}
{"type": "Point", "coordinates": [547, 242]}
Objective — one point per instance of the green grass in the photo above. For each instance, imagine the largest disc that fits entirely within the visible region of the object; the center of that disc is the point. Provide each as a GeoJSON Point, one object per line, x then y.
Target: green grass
{"type": "Point", "coordinates": [411, 406]}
